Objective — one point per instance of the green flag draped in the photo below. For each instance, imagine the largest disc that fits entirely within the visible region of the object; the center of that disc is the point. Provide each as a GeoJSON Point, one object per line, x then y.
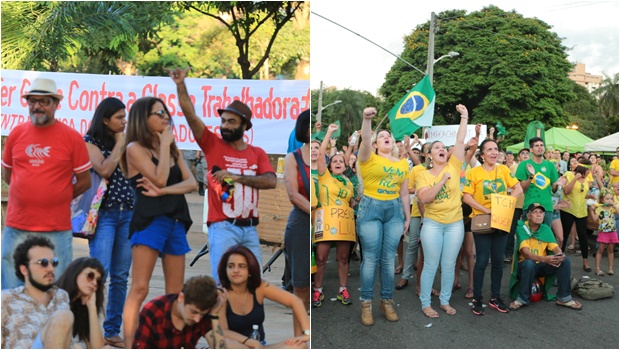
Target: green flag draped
{"type": "Point", "coordinates": [414, 110]}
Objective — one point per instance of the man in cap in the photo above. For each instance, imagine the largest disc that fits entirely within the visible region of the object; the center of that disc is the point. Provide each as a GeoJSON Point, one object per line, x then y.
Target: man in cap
{"type": "Point", "coordinates": [539, 255]}
{"type": "Point", "coordinates": [232, 217]}
{"type": "Point", "coordinates": [46, 164]}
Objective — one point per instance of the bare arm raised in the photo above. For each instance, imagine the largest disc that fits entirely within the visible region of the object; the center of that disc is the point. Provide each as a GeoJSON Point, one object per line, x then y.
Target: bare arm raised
{"type": "Point", "coordinates": [178, 76]}
{"type": "Point", "coordinates": [365, 150]}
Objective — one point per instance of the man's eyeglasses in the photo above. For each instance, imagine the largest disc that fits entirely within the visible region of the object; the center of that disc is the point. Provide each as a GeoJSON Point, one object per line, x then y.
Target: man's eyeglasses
{"type": "Point", "coordinates": [42, 101]}
{"type": "Point", "coordinates": [45, 261]}
{"type": "Point", "coordinates": [160, 113]}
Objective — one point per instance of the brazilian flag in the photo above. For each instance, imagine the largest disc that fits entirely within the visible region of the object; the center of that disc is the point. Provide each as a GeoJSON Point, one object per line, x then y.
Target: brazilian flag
{"type": "Point", "coordinates": [414, 110]}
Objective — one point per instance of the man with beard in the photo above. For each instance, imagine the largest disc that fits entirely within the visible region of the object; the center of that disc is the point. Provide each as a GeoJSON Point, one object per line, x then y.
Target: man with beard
{"type": "Point", "coordinates": [40, 161]}
{"type": "Point", "coordinates": [233, 212]}
{"type": "Point", "coordinates": [36, 314]}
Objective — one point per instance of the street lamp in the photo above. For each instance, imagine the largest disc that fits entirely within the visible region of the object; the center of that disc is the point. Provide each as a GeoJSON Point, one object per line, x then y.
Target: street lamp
{"type": "Point", "coordinates": [331, 104]}
{"type": "Point", "coordinates": [450, 54]}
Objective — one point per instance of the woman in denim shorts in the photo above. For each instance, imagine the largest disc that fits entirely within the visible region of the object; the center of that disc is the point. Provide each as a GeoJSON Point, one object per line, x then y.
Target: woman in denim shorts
{"type": "Point", "coordinates": [161, 218]}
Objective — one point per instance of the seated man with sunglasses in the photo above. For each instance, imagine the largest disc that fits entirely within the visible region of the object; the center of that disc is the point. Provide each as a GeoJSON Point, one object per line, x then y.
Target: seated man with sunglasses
{"type": "Point", "coordinates": [46, 164]}
{"type": "Point", "coordinates": [37, 314]}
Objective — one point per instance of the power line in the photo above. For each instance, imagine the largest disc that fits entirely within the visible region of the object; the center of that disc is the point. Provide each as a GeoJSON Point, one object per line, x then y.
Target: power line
{"type": "Point", "coordinates": [372, 42]}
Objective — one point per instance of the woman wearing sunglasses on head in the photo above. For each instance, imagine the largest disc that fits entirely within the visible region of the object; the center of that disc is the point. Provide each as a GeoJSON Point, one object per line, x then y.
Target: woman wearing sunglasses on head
{"type": "Point", "coordinates": [576, 191]}
{"type": "Point", "coordinates": [161, 219]}
{"type": "Point", "coordinates": [83, 281]}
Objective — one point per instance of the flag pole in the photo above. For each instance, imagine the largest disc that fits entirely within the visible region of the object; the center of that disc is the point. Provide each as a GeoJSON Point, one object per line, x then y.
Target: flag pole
{"type": "Point", "coordinates": [381, 122]}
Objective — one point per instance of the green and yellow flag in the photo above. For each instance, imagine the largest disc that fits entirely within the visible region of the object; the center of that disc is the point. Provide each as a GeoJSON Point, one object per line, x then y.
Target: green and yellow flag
{"type": "Point", "coordinates": [414, 110]}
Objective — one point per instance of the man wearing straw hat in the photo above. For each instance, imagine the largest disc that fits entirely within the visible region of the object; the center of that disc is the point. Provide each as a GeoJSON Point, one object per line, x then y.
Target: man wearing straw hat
{"type": "Point", "coordinates": [46, 164]}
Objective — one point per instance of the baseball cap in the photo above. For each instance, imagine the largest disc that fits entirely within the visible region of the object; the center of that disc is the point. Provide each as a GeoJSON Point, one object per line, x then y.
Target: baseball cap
{"type": "Point", "coordinates": [534, 206]}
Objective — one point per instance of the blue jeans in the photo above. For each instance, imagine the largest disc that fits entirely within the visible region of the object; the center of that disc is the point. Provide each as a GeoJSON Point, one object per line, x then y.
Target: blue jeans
{"type": "Point", "coordinates": [12, 237]}
{"type": "Point", "coordinates": [493, 243]}
{"type": "Point", "coordinates": [223, 235]}
{"type": "Point", "coordinates": [412, 248]}
{"type": "Point", "coordinates": [529, 270]}
{"type": "Point", "coordinates": [379, 225]}
{"type": "Point", "coordinates": [112, 247]}
{"type": "Point", "coordinates": [441, 243]}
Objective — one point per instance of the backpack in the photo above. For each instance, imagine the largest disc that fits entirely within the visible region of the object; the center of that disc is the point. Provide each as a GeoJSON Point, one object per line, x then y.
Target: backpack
{"type": "Point", "coordinates": [85, 207]}
{"type": "Point", "coordinates": [593, 289]}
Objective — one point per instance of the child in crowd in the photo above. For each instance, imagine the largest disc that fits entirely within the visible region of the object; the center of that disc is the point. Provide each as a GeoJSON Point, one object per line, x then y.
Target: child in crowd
{"type": "Point", "coordinates": [607, 235]}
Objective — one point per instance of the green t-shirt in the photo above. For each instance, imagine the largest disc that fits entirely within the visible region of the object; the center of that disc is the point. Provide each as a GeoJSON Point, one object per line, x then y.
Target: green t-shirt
{"type": "Point", "coordinates": [539, 190]}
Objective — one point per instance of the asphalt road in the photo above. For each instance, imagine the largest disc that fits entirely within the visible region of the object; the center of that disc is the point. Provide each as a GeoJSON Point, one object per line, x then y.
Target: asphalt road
{"type": "Point", "coordinates": [539, 325]}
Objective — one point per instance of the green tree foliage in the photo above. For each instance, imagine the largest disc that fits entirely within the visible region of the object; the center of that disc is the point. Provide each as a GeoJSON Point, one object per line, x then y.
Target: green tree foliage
{"type": "Point", "coordinates": [607, 95]}
{"type": "Point", "coordinates": [45, 35]}
{"type": "Point", "coordinates": [243, 19]}
{"type": "Point", "coordinates": [583, 111]}
{"type": "Point", "coordinates": [349, 111]}
{"type": "Point", "coordinates": [510, 69]}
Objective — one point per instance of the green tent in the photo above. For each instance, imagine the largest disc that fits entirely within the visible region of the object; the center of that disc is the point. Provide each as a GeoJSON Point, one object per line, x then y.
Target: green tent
{"type": "Point", "coordinates": [559, 138]}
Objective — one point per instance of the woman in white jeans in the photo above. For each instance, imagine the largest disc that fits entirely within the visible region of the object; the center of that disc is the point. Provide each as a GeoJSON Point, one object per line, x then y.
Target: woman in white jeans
{"type": "Point", "coordinates": [438, 189]}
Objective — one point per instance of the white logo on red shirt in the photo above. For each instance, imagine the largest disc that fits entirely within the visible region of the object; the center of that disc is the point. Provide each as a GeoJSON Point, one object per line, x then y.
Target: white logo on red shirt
{"type": "Point", "coordinates": [37, 153]}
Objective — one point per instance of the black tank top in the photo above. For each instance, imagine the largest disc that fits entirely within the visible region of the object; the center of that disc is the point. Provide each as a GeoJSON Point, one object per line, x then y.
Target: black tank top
{"type": "Point", "coordinates": [243, 324]}
{"type": "Point", "coordinates": [146, 208]}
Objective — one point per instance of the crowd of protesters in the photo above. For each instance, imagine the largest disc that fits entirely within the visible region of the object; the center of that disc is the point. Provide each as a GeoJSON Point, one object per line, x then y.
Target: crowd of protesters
{"type": "Point", "coordinates": [429, 194]}
{"type": "Point", "coordinates": [143, 216]}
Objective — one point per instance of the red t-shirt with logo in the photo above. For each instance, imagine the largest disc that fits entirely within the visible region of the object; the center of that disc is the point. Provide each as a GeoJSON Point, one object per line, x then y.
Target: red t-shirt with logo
{"type": "Point", "coordinates": [251, 161]}
{"type": "Point", "coordinates": [43, 162]}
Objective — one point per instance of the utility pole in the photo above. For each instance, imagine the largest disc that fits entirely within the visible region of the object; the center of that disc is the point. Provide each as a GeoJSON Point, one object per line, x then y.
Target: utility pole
{"type": "Point", "coordinates": [318, 113]}
{"type": "Point", "coordinates": [430, 60]}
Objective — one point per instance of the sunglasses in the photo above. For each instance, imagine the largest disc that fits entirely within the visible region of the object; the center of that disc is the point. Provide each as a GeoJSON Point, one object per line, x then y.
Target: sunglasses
{"type": "Point", "coordinates": [582, 187]}
{"type": "Point", "coordinates": [42, 101]}
{"type": "Point", "coordinates": [45, 261]}
{"type": "Point", "coordinates": [160, 113]}
{"type": "Point", "coordinates": [91, 276]}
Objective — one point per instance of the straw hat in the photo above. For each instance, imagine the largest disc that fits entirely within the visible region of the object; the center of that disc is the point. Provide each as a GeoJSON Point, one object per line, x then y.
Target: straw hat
{"type": "Point", "coordinates": [43, 87]}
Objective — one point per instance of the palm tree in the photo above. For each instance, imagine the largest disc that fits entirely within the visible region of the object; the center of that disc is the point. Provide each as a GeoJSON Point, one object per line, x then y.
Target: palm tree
{"type": "Point", "coordinates": [607, 95]}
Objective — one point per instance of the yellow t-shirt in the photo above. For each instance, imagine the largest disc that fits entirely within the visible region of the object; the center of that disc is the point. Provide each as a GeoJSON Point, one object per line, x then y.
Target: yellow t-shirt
{"type": "Point", "coordinates": [314, 201]}
{"type": "Point", "coordinates": [614, 166]}
{"type": "Point", "coordinates": [332, 192]}
{"type": "Point", "coordinates": [413, 175]}
{"type": "Point", "coordinates": [536, 247]}
{"type": "Point", "coordinates": [577, 197]}
{"type": "Point", "coordinates": [481, 184]}
{"type": "Point", "coordinates": [446, 207]}
{"type": "Point", "coordinates": [519, 204]}
{"type": "Point", "coordinates": [383, 177]}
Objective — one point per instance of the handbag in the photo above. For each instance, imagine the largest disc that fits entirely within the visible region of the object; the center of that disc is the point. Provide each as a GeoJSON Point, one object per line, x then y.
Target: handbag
{"type": "Point", "coordinates": [85, 207]}
{"type": "Point", "coordinates": [481, 224]}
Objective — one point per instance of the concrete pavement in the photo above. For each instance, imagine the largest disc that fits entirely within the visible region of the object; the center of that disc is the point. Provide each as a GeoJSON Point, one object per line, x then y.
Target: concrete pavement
{"type": "Point", "coordinates": [540, 325]}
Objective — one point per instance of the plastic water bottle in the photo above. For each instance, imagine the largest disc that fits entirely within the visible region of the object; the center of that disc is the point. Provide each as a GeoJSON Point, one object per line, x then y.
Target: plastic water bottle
{"type": "Point", "coordinates": [255, 333]}
{"type": "Point", "coordinates": [353, 138]}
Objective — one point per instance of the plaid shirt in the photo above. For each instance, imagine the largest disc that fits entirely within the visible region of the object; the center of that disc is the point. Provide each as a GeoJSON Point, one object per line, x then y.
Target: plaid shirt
{"type": "Point", "coordinates": [156, 331]}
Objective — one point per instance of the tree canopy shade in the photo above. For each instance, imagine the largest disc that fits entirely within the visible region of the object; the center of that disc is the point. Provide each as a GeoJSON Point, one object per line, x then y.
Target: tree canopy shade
{"type": "Point", "coordinates": [243, 19]}
{"type": "Point", "coordinates": [510, 69]}
{"type": "Point", "coordinates": [40, 35]}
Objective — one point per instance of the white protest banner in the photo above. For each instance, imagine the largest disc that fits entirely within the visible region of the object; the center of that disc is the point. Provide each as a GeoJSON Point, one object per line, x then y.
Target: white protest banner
{"type": "Point", "coordinates": [447, 133]}
{"type": "Point", "coordinates": [275, 104]}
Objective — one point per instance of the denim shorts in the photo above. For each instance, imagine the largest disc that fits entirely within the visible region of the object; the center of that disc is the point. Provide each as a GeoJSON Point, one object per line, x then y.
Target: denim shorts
{"type": "Point", "coordinates": [165, 235]}
{"type": "Point", "coordinates": [556, 215]}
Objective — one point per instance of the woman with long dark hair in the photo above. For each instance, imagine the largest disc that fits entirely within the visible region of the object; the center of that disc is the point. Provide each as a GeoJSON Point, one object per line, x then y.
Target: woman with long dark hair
{"type": "Point", "coordinates": [82, 280]}
{"type": "Point", "coordinates": [491, 177]}
{"type": "Point", "coordinates": [161, 219]}
{"type": "Point", "coordinates": [239, 274]}
{"type": "Point", "coordinates": [104, 140]}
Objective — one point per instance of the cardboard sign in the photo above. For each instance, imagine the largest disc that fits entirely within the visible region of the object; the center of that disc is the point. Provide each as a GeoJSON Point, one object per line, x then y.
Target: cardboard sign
{"type": "Point", "coordinates": [332, 223]}
{"type": "Point", "coordinates": [502, 211]}
{"type": "Point", "coordinates": [447, 133]}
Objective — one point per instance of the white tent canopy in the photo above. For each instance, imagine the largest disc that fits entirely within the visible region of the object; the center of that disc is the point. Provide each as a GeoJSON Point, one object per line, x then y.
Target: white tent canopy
{"type": "Point", "coordinates": [606, 144]}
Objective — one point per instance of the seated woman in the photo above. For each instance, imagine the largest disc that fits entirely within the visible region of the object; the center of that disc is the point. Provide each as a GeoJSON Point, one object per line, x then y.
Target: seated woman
{"type": "Point", "coordinates": [83, 281]}
{"type": "Point", "coordinates": [239, 274]}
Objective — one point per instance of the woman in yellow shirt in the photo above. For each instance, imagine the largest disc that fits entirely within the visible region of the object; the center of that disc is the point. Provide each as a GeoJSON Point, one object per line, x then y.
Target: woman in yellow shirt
{"type": "Point", "coordinates": [482, 182]}
{"type": "Point", "coordinates": [439, 190]}
{"type": "Point", "coordinates": [576, 191]}
{"type": "Point", "coordinates": [335, 195]}
{"type": "Point", "coordinates": [383, 215]}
